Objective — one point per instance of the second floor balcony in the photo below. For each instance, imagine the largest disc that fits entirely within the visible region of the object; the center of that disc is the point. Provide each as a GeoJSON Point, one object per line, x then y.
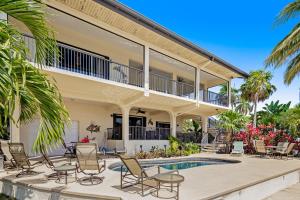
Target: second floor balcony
{"type": "Point", "coordinates": [88, 63]}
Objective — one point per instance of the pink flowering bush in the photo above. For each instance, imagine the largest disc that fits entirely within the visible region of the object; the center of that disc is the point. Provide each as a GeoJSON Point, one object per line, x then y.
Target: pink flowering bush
{"type": "Point", "coordinates": [262, 132]}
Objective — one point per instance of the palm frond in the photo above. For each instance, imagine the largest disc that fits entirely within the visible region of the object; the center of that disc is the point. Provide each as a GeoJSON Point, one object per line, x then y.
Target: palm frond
{"type": "Point", "coordinates": [290, 11]}
{"type": "Point", "coordinates": [38, 97]}
{"type": "Point", "coordinates": [285, 48]}
{"type": "Point", "coordinates": [292, 70]}
{"type": "Point", "coordinates": [32, 13]}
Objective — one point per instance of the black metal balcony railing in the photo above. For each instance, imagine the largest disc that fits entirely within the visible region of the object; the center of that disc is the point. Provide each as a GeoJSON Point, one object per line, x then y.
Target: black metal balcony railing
{"type": "Point", "coordinates": [164, 84]}
{"type": "Point", "coordinates": [213, 98]}
{"type": "Point", "coordinates": [91, 64]}
{"type": "Point", "coordinates": [139, 133]}
{"type": "Point", "coordinates": [142, 133]}
{"type": "Point", "coordinates": [114, 133]}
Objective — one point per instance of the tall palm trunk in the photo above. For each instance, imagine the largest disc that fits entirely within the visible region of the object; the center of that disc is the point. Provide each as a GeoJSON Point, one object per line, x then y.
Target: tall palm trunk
{"type": "Point", "coordinates": [255, 111]}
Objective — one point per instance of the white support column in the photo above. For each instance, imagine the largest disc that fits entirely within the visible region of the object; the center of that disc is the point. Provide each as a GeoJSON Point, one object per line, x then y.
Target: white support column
{"type": "Point", "coordinates": [204, 120]}
{"type": "Point", "coordinates": [15, 134]}
{"type": "Point", "coordinates": [229, 93]}
{"type": "Point", "coordinates": [198, 77]}
{"type": "Point", "coordinates": [125, 125]}
{"type": "Point", "coordinates": [173, 123]}
{"type": "Point", "coordinates": [146, 70]}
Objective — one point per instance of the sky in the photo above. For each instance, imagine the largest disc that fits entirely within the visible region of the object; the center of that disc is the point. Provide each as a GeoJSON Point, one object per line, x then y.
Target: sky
{"type": "Point", "coordinates": [241, 32]}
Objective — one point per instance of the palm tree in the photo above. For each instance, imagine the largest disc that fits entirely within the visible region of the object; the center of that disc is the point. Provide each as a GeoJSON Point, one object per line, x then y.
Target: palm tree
{"type": "Point", "coordinates": [286, 52]}
{"type": "Point", "coordinates": [244, 107]}
{"type": "Point", "coordinates": [232, 122]}
{"type": "Point", "coordinates": [234, 94]}
{"type": "Point", "coordinates": [257, 87]}
{"type": "Point", "coordinates": [22, 83]}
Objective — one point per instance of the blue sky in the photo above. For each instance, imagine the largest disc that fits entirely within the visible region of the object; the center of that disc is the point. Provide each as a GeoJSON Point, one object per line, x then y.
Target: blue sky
{"type": "Point", "coordinates": [241, 32]}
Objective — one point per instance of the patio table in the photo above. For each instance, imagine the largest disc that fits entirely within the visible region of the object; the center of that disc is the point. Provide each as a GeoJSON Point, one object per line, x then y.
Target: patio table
{"type": "Point", "coordinates": [271, 149]}
{"type": "Point", "coordinates": [169, 179]}
{"type": "Point", "coordinates": [64, 169]}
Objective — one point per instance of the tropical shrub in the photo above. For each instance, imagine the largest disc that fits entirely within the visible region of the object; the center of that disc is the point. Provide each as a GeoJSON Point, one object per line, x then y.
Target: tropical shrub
{"type": "Point", "coordinates": [232, 122]}
{"type": "Point", "coordinates": [262, 132]}
{"type": "Point", "coordinates": [176, 148]}
{"type": "Point", "coordinates": [190, 148]}
{"type": "Point", "coordinates": [291, 120]}
{"type": "Point", "coordinates": [270, 113]}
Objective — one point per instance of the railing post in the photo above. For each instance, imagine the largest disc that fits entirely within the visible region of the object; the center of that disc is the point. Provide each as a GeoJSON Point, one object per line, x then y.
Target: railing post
{"type": "Point", "coordinates": [92, 68]}
{"type": "Point", "coordinates": [158, 133]}
{"type": "Point", "coordinates": [146, 69]}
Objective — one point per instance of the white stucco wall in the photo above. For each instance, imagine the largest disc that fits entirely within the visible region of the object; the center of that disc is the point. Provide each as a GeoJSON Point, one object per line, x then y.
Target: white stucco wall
{"type": "Point", "coordinates": [85, 113]}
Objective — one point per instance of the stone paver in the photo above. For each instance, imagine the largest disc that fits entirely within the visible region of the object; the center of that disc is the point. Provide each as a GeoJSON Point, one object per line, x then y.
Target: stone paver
{"type": "Point", "coordinates": [291, 193]}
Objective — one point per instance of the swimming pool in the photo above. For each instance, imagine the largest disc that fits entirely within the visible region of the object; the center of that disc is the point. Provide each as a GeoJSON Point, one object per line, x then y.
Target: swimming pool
{"type": "Point", "coordinates": [177, 163]}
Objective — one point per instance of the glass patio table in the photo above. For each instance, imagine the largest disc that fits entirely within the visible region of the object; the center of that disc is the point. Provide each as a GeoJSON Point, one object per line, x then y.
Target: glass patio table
{"type": "Point", "coordinates": [63, 170]}
{"type": "Point", "coordinates": [171, 179]}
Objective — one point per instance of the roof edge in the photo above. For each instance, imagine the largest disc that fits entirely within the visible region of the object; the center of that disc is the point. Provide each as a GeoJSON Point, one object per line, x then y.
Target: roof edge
{"type": "Point", "coordinates": [150, 24]}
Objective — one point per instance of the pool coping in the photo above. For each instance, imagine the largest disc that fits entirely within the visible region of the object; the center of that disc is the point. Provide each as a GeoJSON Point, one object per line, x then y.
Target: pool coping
{"type": "Point", "coordinates": [60, 190]}
{"type": "Point", "coordinates": [187, 158]}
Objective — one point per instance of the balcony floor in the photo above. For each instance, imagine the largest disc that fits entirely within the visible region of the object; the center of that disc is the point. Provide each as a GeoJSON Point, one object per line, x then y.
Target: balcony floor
{"type": "Point", "coordinates": [84, 87]}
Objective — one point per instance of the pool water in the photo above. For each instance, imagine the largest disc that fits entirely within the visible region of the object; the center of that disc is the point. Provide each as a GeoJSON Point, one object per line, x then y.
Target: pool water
{"type": "Point", "coordinates": [176, 165]}
{"type": "Point", "coordinates": [186, 165]}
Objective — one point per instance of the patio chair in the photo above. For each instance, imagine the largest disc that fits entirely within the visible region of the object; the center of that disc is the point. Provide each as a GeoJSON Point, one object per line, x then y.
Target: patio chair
{"type": "Point", "coordinates": [107, 151]}
{"type": "Point", "coordinates": [49, 164]}
{"type": "Point", "coordinates": [88, 163]}
{"type": "Point", "coordinates": [8, 159]}
{"type": "Point", "coordinates": [260, 148]}
{"type": "Point", "coordinates": [69, 151]}
{"type": "Point", "coordinates": [238, 148]}
{"type": "Point", "coordinates": [286, 150]}
{"type": "Point", "coordinates": [281, 148]}
{"type": "Point", "coordinates": [135, 174]}
{"type": "Point", "coordinates": [21, 159]}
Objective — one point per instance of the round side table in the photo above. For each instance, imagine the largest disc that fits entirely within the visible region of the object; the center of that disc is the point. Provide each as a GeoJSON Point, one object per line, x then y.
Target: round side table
{"type": "Point", "coordinates": [172, 179]}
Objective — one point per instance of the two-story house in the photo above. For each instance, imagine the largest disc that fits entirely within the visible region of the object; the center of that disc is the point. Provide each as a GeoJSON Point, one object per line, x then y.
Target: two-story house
{"type": "Point", "coordinates": [134, 78]}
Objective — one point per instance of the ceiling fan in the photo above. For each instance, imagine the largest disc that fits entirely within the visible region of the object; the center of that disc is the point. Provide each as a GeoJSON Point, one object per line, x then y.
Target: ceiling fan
{"type": "Point", "coordinates": [140, 111]}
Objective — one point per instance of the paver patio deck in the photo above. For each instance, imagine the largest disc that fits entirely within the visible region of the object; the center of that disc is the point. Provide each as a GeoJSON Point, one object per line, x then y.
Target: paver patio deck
{"type": "Point", "coordinates": [200, 182]}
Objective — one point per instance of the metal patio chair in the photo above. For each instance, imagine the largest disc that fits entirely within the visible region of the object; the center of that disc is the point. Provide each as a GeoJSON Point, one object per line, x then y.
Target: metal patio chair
{"type": "Point", "coordinates": [238, 148]}
{"type": "Point", "coordinates": [21, 159]}
{"type": "Point", "coordinates": [70, 151]}
{"type": "Point", "coordinates": [8, 159]}
{"type": "Point", "coordinates": [260, 148]}
{"type": "Point", "coordinates": [281, 148]}
{"type": "Point", "coordinates": [88, 163]}
{"type": "Point", "coordinates": [51, 165]}
{"type": "Point", "coordinates": [135, 174]}
{"type": "Point", "coordinates": [286, 150]}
